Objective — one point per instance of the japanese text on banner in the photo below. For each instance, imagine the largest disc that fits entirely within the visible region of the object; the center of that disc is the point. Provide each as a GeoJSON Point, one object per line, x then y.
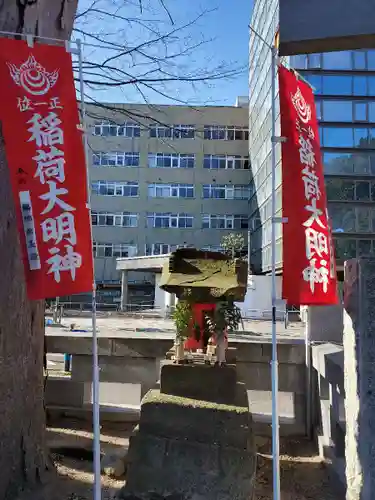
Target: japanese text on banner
{"type": "Point", "coordinates": [47, 167]}
{"type": "Point", "coordinates": [309, 275]}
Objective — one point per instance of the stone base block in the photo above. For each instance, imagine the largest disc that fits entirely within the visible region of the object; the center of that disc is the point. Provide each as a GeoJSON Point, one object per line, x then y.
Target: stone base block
{"type": "Point", "coordinates": [187, 469]}
{"type": "Point", "coordinates": [204, 422]}
{"type": "Point", "coordinates": [199, 381]}
{"type": "Point", "coordinates": [185, 449]}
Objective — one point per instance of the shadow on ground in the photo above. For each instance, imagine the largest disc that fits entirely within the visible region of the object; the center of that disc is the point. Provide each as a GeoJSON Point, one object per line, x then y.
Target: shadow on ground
{"type": "Point", "coordinates": [303, 475]}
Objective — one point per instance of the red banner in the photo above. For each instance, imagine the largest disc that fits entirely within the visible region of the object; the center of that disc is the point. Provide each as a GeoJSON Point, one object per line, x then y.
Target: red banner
{"type": "Point", "coordinates": [45, 154]}
{"type": "Point", "coordinates": [309, 272]}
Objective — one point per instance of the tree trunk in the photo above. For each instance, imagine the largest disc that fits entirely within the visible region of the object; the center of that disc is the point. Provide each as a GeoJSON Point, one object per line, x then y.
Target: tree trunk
{"type": "Point", "coordinates": [23, 456]}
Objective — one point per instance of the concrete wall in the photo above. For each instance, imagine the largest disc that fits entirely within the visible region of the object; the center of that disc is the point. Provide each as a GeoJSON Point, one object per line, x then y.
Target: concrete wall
{"type": "Point", "coordinates": [258, 303]}
{"type": "Point", "coordinates": [159, 300]}
{"type": "Point", "coordinates": [129, 367]}
{"type": "Point", "coordinates": [325, 323]}
{"type": "Point", "coordinates": [329, 408]}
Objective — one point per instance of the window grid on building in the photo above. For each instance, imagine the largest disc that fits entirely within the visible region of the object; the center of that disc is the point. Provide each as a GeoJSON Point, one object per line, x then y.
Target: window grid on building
{"type": "Point", "coordinates": [213, 248]}
{"type": "Point", "coordinates": [226, 133]}
{"type": "Point", "coordinates": [236, 162]}
{"type": "Point", "coordinates": [171, 191]}
{"type": "Point", "coordinates": [352, 218]}
{"type": "Point", "coordinates": [171, 160]}
{"type": "Point", "coordinates": [226, 191]}
{"type": "Point", "coordinates": [352, 247]}
{"type": "Point", "coordinates": [224, 221]}
{"type": "Point", "coordinates": [114, 249]}
{"type": "Point", "coordinates": [353, 163]}
{"type": "Point", "coordinates": [163, 248]}
{"type": "Point", "coordinates": [108, 188]}
{"type": "Point", "coordinates": [115, 159]}
{"type": "Point", "coordinates": [342, 85]}
{"type": "Point", "coordinates": [107, 128]}
{"type": "Point", "coordinates": [119, 219]}
{"type": "Point", "coordinates": [169, 220]}
{"type": "Point", "coordinates": [159, 248]}
{"type": "Point", "coordinates": [344, 189]}
{"type": "Point", "coordinates": [172, 131]}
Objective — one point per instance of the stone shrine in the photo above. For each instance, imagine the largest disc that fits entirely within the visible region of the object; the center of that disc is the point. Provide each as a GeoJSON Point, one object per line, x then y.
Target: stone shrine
{"type": "Point", "coordinates": [195, 439]}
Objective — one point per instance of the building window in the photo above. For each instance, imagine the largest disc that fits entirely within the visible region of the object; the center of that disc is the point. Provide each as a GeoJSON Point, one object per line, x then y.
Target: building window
{"type": "Point", "coordinates": [299, 61]}
{"type": "Point", "coordinates": [169, 220]}
{"type": "Point", "coordinates": [371, 59]}
{"type": "Point", "coordinates": [314, 61]}
{"type": "Point", "coordinates": [119, 219]}
{"type": "Point", "coordinates": [345, 248]}
{"type": "Point", "coordinates": [347, 137]}
{"type": "Point", "coordinates": [160, 131]}
{"type": "Point", "coordinates": [337, 60]}
{"type": "Point", "coordinates": [338, 163]}
{"type": "Point", "coordinates": [171, 190]}
{"type": "Point", "coordinates": [213, 248]}
{"type": "Point", "coordinates": [213, 221]}
{"type": "Point", "coordinates": [226, 162]}
{"type": "Point", "coordinates": [107, 188]}
{"type": "Point", "coordinates": [360, 111]}
{"type": "Point", "coordinates": [316, 81]}
{"type": "Point", "coordinates": [172, 131]}
{"type": "Point", "coordinates": [114, 250]}
{"type": "Point", "coordinates": [108, 128]}
{"type": "Point", "coordinates": [171, 160]}
{"type": "Point", "coordinates": [115, 159]}
{"type": "Point", "coordinates": [349, 248]}
{"type": "Point", "coordinates": [184, 131]}
{"type": "Point", "coordinates": [359, 59]}
{"type": "Point", "coordinates": [226, 191]}
{"type": "Point", "coordinates": [337, 84]}
{"type": "Point", "coordinates": [337, 111]}
{"type": "Point", "coordinates": [159, 249]}
{"type": "Point", "coordinates": [226, 133]}
{"type": "Point", "coordinates": [359, 85]}
{"type": "Point", "coordinates": [349, 190]}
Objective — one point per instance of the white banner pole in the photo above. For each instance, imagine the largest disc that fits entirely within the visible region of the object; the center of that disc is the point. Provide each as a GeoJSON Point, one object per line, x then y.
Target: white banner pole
{"type": "Point", "coordinates": [275, 364]}
{"type": "Point", "coordinates": [95, 362]}
{"type": "Point", "coordinates": [275, 220]}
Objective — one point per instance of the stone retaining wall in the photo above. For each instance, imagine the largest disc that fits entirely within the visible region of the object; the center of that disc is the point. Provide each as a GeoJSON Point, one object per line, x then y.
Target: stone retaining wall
{"type": "Point", "coordinates": [130, 367]}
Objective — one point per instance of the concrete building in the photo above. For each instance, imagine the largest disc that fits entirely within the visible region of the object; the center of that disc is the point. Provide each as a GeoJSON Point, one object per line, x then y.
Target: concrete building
{"type": "Point", "coordinates": [344, 85]}
{"type": "Point", "coordinates": [164, 176]}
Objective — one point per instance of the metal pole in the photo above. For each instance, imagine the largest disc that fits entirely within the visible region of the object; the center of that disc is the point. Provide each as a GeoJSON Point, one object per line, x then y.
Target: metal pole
{"type": "Point", "coordinates": [308, 376]}
{"type": "Point", "coordinates": [248, 250]}
{"type": "Point", "coordinates": [274, 362]}
{"type": "Point", "coordinates": [95, 362]}
{"type": "Point", "coordinates": [275, 368]}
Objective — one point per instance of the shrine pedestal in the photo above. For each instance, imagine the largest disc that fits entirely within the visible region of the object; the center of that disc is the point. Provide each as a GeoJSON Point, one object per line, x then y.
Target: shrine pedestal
{"type": "Point", "coordinates": [193, 447]}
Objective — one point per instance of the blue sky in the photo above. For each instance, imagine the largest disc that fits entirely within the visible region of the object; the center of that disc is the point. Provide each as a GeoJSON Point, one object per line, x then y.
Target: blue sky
{"type": "Point", "coordinates": [226, 28]}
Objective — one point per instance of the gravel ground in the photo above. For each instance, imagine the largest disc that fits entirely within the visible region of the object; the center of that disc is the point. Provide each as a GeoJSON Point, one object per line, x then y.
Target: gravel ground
{"type": "Point", "coordinates": [303, 475]}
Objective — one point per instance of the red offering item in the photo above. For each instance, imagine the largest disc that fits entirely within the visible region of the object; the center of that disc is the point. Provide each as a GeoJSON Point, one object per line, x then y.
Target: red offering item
{"type": "Point", "coordinates": [198, 318]}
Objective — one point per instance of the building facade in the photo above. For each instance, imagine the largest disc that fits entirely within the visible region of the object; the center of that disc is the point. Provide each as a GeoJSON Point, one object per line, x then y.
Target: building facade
{"type": "Point", "coordinates": [162, 177]}
{"type": "Point", "coordinates": [344, 86]}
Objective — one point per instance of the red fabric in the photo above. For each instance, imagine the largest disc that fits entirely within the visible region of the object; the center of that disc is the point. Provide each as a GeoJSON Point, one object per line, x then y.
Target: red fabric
{"type": "Point", "coordinates": [198, 318]}
{"type": "Point", "coordinates": [45, 154]}
{"type": "Point", "coordinates": [309, 274]}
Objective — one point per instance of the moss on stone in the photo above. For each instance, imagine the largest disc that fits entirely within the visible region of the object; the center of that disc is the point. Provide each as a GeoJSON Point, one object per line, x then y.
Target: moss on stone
{"type": "Point", "coordinates": [155, 396]}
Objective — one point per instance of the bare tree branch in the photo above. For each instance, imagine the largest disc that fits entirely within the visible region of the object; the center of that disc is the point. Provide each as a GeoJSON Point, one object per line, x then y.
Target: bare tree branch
{"type": "Point", "coordinates": [167, 11]}
{"type": "Point", "coordinates": [138, 50]}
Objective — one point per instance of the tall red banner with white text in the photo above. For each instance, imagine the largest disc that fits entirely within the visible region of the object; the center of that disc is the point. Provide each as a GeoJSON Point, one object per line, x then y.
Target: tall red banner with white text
{"type": "Point", "coordinates": [45, 155]}
{"type": "Point", "coordinates": [309, 272]}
